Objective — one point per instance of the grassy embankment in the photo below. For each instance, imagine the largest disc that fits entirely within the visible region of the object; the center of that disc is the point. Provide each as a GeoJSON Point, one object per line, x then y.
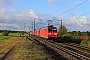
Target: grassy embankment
{"type": "Point", "coordinates": [86, 42]}
{"type": "Point", "coordinates": [28, 50]}
{"type": "Point", "coordinates": [25, 50]}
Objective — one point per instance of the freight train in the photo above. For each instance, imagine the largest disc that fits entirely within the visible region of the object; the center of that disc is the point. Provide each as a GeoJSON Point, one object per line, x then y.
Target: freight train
{"type": "Point", "coordinates": [49, 32]}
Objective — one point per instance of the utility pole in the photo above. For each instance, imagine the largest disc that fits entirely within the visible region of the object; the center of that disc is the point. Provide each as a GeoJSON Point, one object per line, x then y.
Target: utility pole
{"type": "Point", "coordinates": [34, 24]}
{"type": "Point", "coordinates": [29, 32]}
{"type": "Point", "coordinates": [61, 28]}
{"type": "Point", "coordinates": [61, 24]}
{"type": "Point", "coordinates": [24, 27]}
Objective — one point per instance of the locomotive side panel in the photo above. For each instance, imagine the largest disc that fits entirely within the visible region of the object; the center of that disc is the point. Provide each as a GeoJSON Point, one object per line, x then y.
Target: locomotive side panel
{"type": "Point", "coordinates": [43, 33]}
{"type": "Point", "coordinates": [37, 32]}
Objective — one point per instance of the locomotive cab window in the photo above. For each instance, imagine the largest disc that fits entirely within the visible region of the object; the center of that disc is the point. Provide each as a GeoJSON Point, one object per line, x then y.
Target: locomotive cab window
{"type": "Point", "coordinates": [49, 30]}
{"type": "Point", "coordinates": [54, 30]}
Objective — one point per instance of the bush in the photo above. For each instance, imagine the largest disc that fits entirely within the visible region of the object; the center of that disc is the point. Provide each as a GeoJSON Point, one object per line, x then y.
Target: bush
{"type": "Point", "coordinates": [86, 42]}
{"type": "Point", "coordinates": [5, 33]}
{"type": "Point", "coordinates": [67, 35]}
{"type": "Point", "coordinates": [69, 39]}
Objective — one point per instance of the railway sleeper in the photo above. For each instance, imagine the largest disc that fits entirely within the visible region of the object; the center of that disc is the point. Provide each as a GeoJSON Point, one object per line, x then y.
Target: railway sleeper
{"type": "Point", "coordinates": [51, 45]}
{"type": "Point", "coordinates": [76, 54]}
{"type": "Point", "coordinates": [65, 55]}
{"type": "Point", "coordinates": [72, 52]}
{"type": "Point", "coordinates": [79, 46]}
{"type": "Point", "coordinates": [77, 50]}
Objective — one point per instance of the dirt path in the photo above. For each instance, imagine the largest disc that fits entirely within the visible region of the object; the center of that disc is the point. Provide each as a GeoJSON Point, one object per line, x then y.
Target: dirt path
{"type": "Point", "coordinates": [7, 48]}
{"type": "Point", "coordinates": [28, 50]}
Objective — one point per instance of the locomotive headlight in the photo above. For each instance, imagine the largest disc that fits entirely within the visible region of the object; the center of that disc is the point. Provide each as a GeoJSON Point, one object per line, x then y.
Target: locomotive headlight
{"type": "Point", "coordinates": [55, 33]}
{"type": "Point", "coordinates": [49, 33]}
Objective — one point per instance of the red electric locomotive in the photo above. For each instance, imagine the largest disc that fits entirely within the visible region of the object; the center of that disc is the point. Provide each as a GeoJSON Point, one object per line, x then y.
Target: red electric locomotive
{"type": "Point", "coordinates": [49, 32]}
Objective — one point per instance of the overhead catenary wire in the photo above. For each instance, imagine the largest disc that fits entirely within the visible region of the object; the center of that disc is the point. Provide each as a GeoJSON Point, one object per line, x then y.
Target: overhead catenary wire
{"type": "Point", "coordinates": [70, 9]}
{"type": "Point", "coordinates": [65, 11]}
{"type": "Point", "coordinates": [73, 8]}
{"type": "Point", "coordinates": [63, 4]}
{"type": "Point", "coordinates": [55, 21]}
{"type": "Point", "coordinates": [39, 21]}
{"type": "Point", "coordinates": [85, 14]}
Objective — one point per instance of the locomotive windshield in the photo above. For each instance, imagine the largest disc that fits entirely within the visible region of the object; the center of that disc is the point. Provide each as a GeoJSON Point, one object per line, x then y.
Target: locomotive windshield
{"type": "Point", "coordinates": [54, 30]}
{"type": "Point", "coordinates": [49, 30]}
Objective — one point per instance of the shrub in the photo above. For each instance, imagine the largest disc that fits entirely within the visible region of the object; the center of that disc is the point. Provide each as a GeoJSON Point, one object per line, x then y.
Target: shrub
{"type": "Point", "coordinates": [5, 33]}
{"type": "Point", "coordinates": [68, 35]}
{"type": "Point", "coordinates": [68, 39]}
{"type": "Point", "coordinates": [86, 42]}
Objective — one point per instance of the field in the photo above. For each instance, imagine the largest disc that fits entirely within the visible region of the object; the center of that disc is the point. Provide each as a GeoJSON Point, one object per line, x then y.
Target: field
{"type": "Point", "coordinates": [85, 40]}
{"type": "Point", "coordinates": [5, 37]}
{"type": "Point", "coordinates": [21, 49]}
{"type": "Point", "coordinates": [81, 37]}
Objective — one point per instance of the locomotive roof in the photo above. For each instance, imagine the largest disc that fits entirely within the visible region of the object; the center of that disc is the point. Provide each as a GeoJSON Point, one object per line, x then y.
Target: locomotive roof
{"type": "Point", "coordinates": [51, 26]}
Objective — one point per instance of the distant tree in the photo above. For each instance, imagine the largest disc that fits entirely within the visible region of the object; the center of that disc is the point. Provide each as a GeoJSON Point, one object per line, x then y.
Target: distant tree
{"type": "Point", "coordinates": [68, 35]}
{"type": "Point", "coordinates": [61, 31]}
{"type": "Point", "coordinates": [79, 33]}
{"type": "Point", "coordinates": [88, 33]}
{"type": "Point", "coordinates": [5, 33]}
{"type": "Point", "coordinates": [73, 33]}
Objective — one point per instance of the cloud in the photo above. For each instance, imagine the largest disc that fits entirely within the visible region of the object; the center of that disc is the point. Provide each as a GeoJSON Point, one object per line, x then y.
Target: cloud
{"type": "Point", "coordinates": [5, 3]}
{"type": "Point", "coordinates": [52, 0]}
{"type": "Point", "coordinates": [13, 19]}
{"type": "Point", "coordinates": [78, 23]}
{"type": "Point", "coordinates": [32, 13]}
{"type": "Point", "coordinates": [78, 2]}
{"type": "Point", "coordinates": [4, 26]}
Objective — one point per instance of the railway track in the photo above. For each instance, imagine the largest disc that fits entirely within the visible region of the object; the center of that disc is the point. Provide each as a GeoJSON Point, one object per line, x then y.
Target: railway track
{"type": "Point", "coordinates": [79, 47]}
{"type": "Point", "coordinates": [8, 48]}
{"type": "Point", "coordinates": [70, 51]}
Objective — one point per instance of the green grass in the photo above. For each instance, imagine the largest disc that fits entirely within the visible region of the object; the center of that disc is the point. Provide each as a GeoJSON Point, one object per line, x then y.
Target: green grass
{"type": "Point", "coordinates": [14, 34]}
{"type": "Point", "coordinates": [86, 42]}
{"type": "Point", "coordinates": [11, 36]}
{"type": "Point", "coordinates": [5, 37]}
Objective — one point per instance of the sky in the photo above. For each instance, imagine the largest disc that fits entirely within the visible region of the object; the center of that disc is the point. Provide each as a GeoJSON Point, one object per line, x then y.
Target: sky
{"type": "Point", "coordinates": [19, 15]}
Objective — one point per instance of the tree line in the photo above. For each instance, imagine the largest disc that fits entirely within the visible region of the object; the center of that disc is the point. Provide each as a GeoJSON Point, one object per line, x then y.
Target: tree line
{"type": "Point", "coordinates": [62, 32]}
{"type": "Point", "coordinates": [6, 32]}
{"type": "Point", "coordinates": [71, 37]}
